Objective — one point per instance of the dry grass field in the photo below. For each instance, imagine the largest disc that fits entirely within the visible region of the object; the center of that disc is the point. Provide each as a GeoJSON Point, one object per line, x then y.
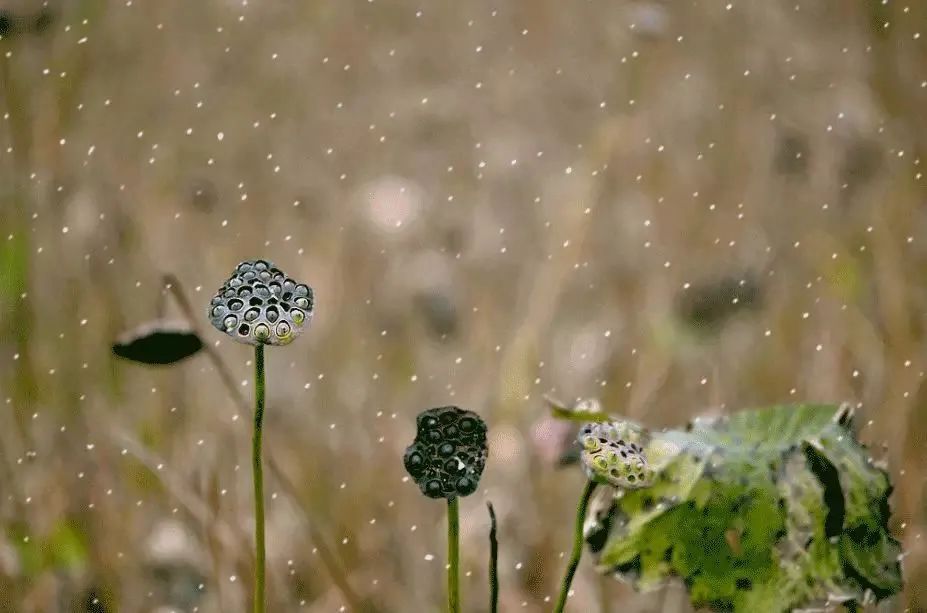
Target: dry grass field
{"type": "Point", "coordinates": [677, 207]}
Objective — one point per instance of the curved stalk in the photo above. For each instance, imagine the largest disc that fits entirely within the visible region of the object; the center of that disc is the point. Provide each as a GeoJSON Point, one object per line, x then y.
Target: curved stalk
{"type": "Point", "coordinates": [258, 476]}
{"type": "Point", "coordinates": [577, 545]}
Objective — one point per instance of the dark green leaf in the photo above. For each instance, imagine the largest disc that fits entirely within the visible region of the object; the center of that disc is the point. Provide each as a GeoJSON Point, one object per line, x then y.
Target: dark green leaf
{"type": "Point", "coordinates": [158, 342]}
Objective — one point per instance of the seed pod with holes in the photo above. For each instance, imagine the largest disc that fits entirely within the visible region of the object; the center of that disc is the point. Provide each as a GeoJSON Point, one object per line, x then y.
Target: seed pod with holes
{"type": "Point", "coordinates": [449, 452]}
{"type": "Point", "coordinates": [613, 453]}
{"type": "Point", "coordinates": [260, 305]}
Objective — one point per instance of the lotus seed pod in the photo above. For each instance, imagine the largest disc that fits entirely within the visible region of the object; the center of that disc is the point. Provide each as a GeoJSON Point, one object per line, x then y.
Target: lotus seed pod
{"type": "Point", "coordinates": [447, 457]}
{"type": "Point", "coordinates": [613, 453]}
{"type": "Point", "coordinates": [259, 304]}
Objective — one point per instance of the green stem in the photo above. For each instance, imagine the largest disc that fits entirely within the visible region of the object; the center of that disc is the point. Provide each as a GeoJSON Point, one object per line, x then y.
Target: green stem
{"type": "Point", "coordinates": [453, 556]}
{"type": "Point", "coordinates": [577, 545]}
{"type": "Point", "coordinates": [493, 562]}
{"type": "Point", "coordinates": [258, 474]}
{"type": "Point", "coordinates": [329, 560]}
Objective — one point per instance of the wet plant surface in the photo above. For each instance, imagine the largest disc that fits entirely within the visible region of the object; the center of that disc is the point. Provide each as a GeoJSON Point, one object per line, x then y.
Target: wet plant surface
{"type": "Point", "coordinates": [679, 209]}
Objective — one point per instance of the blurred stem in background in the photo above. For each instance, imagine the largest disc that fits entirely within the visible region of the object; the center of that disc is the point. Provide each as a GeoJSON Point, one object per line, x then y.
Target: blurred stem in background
{"type": "Point", "coordinates": [577, 545]}
{"type": "Point", "coordinates": [453, 555]}
{"type": "Point", "coordinates": [15, 250]}
{"type": "Point", "coordinates": [258, 476]}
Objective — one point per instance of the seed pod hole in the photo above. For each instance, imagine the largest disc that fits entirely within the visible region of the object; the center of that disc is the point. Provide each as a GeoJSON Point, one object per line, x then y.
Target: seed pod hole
{"type": "Point", "coordinates": [272, 314]}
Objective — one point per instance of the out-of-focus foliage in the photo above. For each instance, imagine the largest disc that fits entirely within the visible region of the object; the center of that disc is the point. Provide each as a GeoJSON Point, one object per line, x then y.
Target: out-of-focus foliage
{"type": "Point", "coordinates": [765, 510]}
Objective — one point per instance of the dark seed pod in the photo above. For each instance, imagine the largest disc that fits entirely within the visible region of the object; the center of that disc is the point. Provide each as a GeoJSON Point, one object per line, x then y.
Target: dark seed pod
{"type": "Point", "coordinates": [248, 306]}
{"type": "Point", "coordinates": [447, 457]}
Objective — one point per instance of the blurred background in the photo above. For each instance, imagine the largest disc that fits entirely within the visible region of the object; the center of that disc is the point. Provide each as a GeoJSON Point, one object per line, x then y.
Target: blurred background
{"type": "Point", "coordinates": [676, 207]}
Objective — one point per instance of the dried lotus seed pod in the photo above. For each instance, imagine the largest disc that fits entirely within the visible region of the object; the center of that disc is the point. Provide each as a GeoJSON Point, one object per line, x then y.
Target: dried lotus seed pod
{"type": "Point", "coordinates": [613, 453]}
{"type": "Point", "coordinates": [259, 304]}
{"type": "Point", "coordinates": [447, 457]}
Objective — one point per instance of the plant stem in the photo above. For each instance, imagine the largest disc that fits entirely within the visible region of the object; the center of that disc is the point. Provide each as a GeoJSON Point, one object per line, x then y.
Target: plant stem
{"type": "Point", "coordinates": [258, 475]}
{"type": "Point", "coordinates": [327, 557]}
{"type": "Point", "coordinates": [453, 555]}
{"type": "Point", "coordinates": [493, 562]}
{"type": "Point", "coordinates": [577, 545]}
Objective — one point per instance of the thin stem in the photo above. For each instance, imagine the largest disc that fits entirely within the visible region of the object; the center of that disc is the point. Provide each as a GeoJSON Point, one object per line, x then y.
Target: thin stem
{"type": "Point", "coordinates": [329, 560]}
{"type": "Point", "coordinates": [258, 474]}
{"type": "Point", "coordinates": [493, 562]}
{"type": "Point", "coordinates": [577, 545]}
{"type": "Point", "coordinates": [453, 556]}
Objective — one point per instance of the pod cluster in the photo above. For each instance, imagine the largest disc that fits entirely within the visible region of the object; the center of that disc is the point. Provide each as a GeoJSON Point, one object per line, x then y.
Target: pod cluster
{"type": "Point", "coordinates": [612, 453]}
{"type": "Point", "coordinates": [259, 305]}
{"type": "Point", "coordinates": [447, 457]}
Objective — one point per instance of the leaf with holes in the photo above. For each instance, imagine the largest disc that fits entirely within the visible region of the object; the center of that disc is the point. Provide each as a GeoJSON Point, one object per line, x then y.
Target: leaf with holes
{"type": "Point", "coordinates": [764, 510]}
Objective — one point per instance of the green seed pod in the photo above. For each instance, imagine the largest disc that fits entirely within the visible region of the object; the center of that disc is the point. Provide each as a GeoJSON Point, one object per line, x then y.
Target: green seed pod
{"type": "Point", "coordinates": [447, 457]}
{"type": "Point", "coordinates": [613, 453]}
{"type": "Point", "coordinates": [259, 304]}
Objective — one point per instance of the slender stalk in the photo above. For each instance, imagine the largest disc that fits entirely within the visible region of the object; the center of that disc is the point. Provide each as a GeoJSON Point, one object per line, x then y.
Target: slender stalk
{"type": "Point", "coordinates": [328, 558]}
{"type": "Point", "coordinates": [453, 555]}
{"type": "Point", "coordinates": [258, 474]}
{"type": "Point", "coordinates": [577, 545]}
{"type": "Point", "coordinates": [493, 562]}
